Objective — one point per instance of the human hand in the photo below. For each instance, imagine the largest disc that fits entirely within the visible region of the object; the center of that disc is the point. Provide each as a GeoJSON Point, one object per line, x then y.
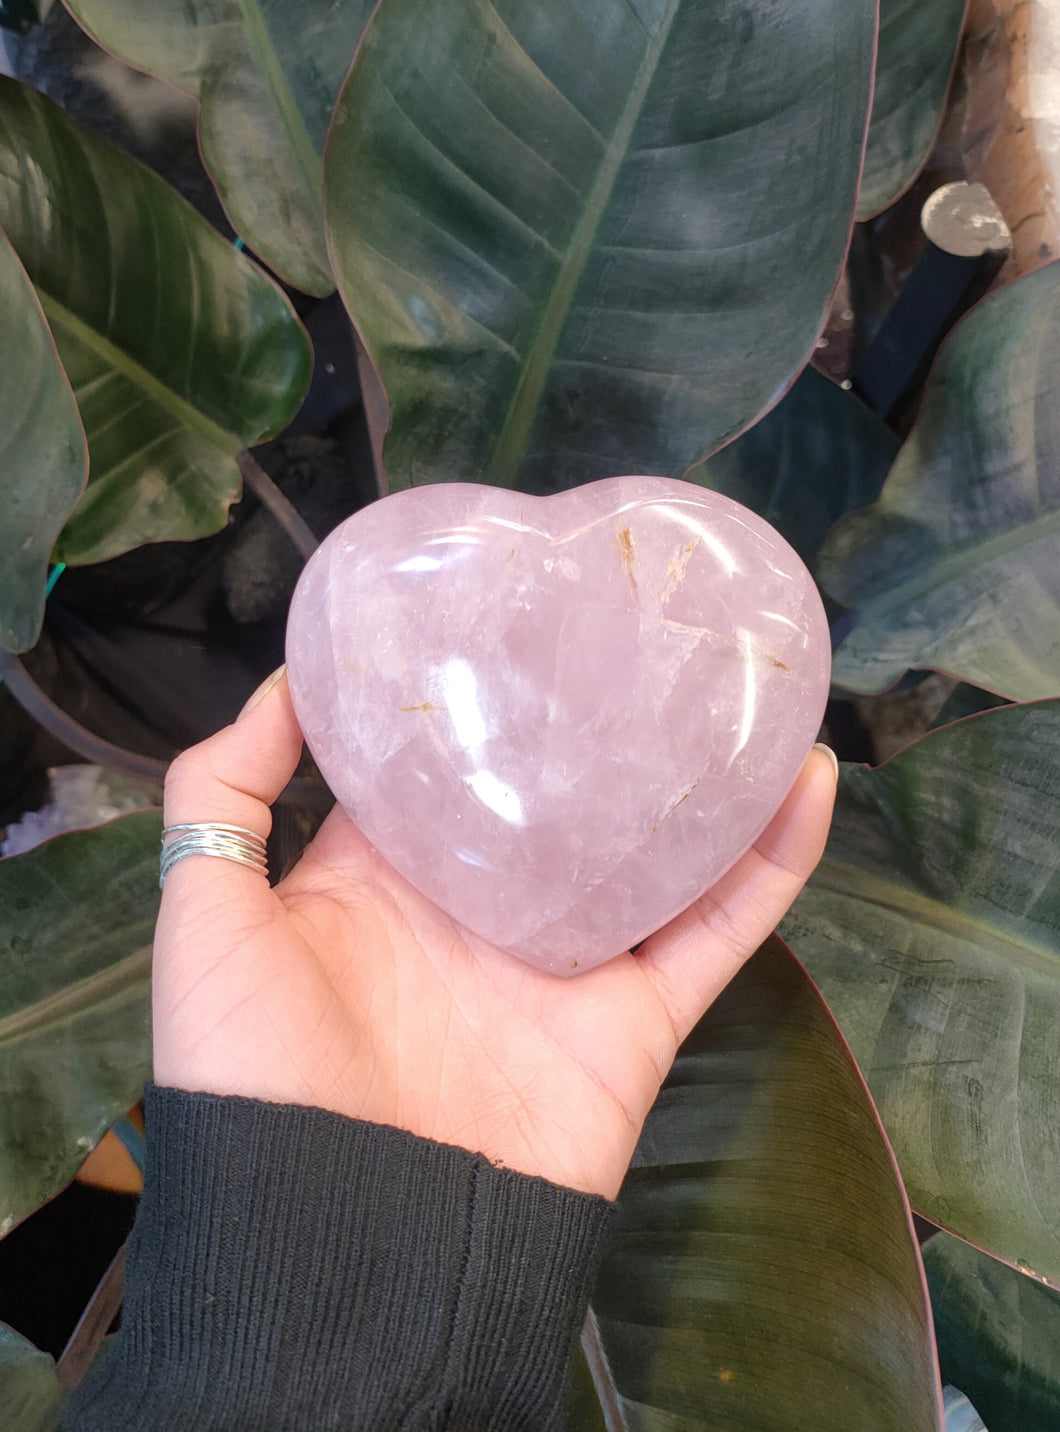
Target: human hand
{"type": "Point", "coordinates": [345, 989]}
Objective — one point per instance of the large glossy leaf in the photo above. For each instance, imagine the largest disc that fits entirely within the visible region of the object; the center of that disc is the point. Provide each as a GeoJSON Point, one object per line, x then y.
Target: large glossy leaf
{"type": "Point", "coordinates": [957, 566]}
{"type": "Point", "coordinates": [43, 459]}
{"type": "Point", "coordinates": [588, 238]}
{"type": "Point", "coordinates": [763, 1273]}
{"type": "Point", "coordinates": [998, 1335]}
{"type": "Point", "coordinates": [933, 929]}
{"type": "Point", "coordinates": [31, 1399]}
{"type": "Point", "coordinates": [76, 916]}
{"type": "Point", "coordinates": [266, 74]}
{"type": "Point", "coordinates": [820, 453]}
{"type": "Point", "coordinates": [179, 350]}
{"type": "Point", "coordinates": [918, 47]}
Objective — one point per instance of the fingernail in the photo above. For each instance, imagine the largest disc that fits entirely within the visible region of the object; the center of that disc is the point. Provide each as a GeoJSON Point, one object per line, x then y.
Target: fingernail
{"type": "Point", "coordinates": [820, 746]}
{"type": "Point", "coordinates": [262, 691]}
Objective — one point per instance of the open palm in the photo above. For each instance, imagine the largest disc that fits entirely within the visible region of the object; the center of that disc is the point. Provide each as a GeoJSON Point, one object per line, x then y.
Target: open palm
{"type": "Point", "coordinates": [346, 989]}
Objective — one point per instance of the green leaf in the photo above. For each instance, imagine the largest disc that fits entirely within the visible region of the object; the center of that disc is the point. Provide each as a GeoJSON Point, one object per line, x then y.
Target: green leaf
{"type": "Point", "coordinates": [585, 1414]}
{"type": "Point", "coordinates": [586, 239]}
{"type": "Point", "coordinates": [917, 51]}
{"type": "Point", "coordinates": [43, 460]}
{"type": "Point", "coordinates": [820, 453]}
{"type": "Point", "coordinates": [76, 920]}
{"type": "Point", "coordinates": [932, 927]}
{"type": "Point", "coordinates": [266, 74]}
{"type": "Point", "coordinates": [31, 1399]}
{"type": "Point", "coordinates": [998, 1334]}
{"type": "Point", "coordinates": [180, 351]}
{"type": "Point", "coordinates": [764, 1273]}
{"type": "Point", "coordinates": [957, 566]}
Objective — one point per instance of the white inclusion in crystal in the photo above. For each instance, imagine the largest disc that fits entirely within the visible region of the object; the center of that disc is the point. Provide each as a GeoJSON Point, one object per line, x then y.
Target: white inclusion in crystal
{"type": "Point", "coordinates": [463, 537]}
{"type": "Point", "coordinates": [709, 539]}
{"type": "Point", "coordinates": [500, 799]}
{"type": "Point", "coordinates": [513, 526]}
{"type": "Point", "coordinates": [460, 693]}
{"type": "Point", "coordinates": [750, 694]}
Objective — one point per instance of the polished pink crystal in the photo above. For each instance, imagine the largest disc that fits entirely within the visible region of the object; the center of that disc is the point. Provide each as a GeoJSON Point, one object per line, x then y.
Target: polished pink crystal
{"type": "Point", "coordinates": [561, 718]}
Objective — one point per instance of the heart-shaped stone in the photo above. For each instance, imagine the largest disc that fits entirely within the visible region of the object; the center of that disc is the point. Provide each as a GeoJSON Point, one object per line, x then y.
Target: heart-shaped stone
{"type": "Point", "coordinates": [561, 718]}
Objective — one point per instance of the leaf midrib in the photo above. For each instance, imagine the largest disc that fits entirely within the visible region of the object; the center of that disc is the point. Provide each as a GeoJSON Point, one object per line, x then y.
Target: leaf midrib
{"type": "Point", "coordinates": [509, 451]}
{"type": "Point", "coordinates": [59, 315]}
{"type": "Point", "coordinates": [852, 882]}
{"type": "Point", "coordinates": [43, 1014]}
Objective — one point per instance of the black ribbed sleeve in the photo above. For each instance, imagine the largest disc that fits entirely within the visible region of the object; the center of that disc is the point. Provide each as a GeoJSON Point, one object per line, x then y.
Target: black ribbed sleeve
{"type": "Point", "coordinates": [292, 1269]}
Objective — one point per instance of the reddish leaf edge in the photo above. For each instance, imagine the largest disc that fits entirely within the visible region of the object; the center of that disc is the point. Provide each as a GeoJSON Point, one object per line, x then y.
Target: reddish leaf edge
{"type": "Point", "coordinates": [943, 116]}
{"type": "Point", "coordinates": [785, 388]}
{"type": "Point", "coordinates": [868, 766]}
{"type": "Point", "coordinates": [940, 670]}
{"type": "Point", "coordinates": [73, 399]}
{"type": "Point", "coordinates": [196, 95]}
{"type": "Point", "coordinates": [943, 671]}
{"type": "Point", "coordinates": [951, 726]}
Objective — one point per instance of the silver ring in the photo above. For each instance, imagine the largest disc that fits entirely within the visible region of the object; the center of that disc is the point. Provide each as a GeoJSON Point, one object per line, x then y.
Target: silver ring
{"type": "Point", "coordinates": [228, 842]}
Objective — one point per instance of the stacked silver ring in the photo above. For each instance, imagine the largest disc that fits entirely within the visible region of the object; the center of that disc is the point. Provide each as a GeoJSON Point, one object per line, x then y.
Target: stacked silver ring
{"type": "Point", "coordinates": [229, 842]}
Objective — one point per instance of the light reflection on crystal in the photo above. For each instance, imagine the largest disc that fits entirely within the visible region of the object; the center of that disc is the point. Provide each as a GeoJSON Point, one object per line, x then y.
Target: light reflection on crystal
{"type": "Point", "coordinates": [460, 693]}
{"type": "Point", "coordinates": [472, 858]}
{"type": "Point", "coordinates": [776, 617]}
{"type": "Point", "coordinates": [419, 563]}
{"type": "Point", "coordinates": [702, 534]}
{"type": "Point", "coordinates": [500, 799]}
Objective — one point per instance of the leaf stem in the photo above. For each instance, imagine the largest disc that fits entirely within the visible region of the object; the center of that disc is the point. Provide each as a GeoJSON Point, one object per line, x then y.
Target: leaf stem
{"type": "Point", "coordinates": [100, 752]}
{"type": "Point", "coordinates": [87, 1338]}
{"type": "Point", "coordinates": [285, 512]}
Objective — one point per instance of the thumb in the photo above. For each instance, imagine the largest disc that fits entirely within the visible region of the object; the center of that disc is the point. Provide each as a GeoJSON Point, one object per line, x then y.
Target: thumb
{"type": "Point", "coordinates": [232, 778]}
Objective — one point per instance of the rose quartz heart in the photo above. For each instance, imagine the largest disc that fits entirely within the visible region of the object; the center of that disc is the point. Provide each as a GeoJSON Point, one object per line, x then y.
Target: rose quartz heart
{"type": "Point", "coordinates": [561, 718]}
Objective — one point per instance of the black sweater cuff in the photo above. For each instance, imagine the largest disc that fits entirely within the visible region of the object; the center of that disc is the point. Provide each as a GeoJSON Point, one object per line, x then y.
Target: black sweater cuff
{"type": "Point", "coordinates": [293, 1269]}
